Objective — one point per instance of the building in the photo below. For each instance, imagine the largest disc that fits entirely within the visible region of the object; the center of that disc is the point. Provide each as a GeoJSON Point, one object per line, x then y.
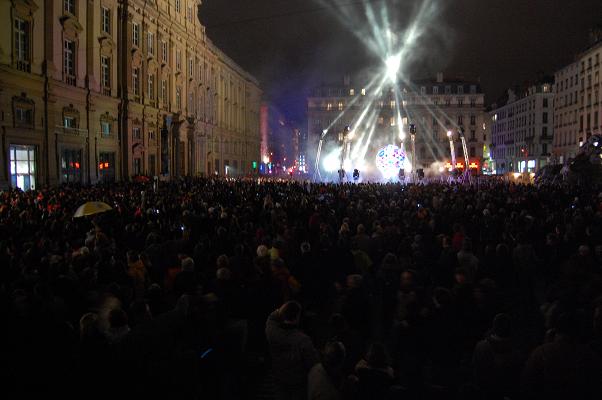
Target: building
{"type": "Point", "coordinates": [282, 142]}
{"type": "Point", "coordinates": [522, 129]}
{"type": "Point", "coordinates": [578, 108]}
{"type": "Point", "coordinates": [103, 90]}
{"type": "Point", "coordinates": [434, 106]}
{"type": "Point", "coordinates": [566, 112]}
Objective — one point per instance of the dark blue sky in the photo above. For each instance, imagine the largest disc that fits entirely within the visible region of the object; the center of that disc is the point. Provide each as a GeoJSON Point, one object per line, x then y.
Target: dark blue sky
{"type": "Point", "coordinates": [290, 46]}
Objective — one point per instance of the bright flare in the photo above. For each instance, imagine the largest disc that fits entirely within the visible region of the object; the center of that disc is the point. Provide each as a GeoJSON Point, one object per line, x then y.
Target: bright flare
{"type": "Point", "coordinates": [393, 64]}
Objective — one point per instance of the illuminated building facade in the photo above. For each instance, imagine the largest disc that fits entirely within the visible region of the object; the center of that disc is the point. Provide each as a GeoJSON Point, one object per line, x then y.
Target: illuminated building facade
{"type": "Point", "coordinates": [434, 106]}
{"type": "Point", "coordinates": [578, 105]}
{"type": "Point", "coordinates": [522, 129]}
{"type": "Point", "coordinates": [102, 90]}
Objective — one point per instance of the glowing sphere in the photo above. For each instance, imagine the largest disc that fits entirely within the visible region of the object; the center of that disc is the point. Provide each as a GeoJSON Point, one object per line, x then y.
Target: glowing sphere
{"type": "Point", "coordinates": [389, 160]}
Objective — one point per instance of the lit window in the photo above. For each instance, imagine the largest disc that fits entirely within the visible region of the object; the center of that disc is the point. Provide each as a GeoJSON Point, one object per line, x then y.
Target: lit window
{"type": "Point", "coordinates": [329, 106]}
{"type": "Point", "coordinates": [151, 87]}
{"type": "Point", "coordinates": [381, 120]}
{"type": "Point", "coordinates": [22, 167]}
{"type": "Point", "coordinates": [363, 92]}
{"type": "Point", "coordinates": [351, 92]}
{"type": "Point", "coordinates": [392, 121]}
{"type": "Point", "coordinates": [392, 104]}
{"type": "Point", "coordinates": [105, 128]}
{"type": "Point", "coordinates": [136, 133]}
{"type": "Point", "coordinates": [178, 98]}
{"type": "Point", "coordinates": [69, 122]}
{"type": "Point", "coordinates": [340, 106]}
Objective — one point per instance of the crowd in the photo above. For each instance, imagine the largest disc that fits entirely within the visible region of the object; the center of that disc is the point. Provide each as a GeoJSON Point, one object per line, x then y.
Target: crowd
{"type": "Point", "coordinates": [233, 289]}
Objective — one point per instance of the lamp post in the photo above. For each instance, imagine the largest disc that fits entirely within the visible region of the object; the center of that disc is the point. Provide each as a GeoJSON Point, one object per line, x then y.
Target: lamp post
{"type": "Point", "coordinates": [451, 148]}
{"type": "Point", "coordinates": [345, 146]}
{"type": "Point", "coordinates": [464, 150]}
{"type": "Point", "coordinates": [413, 139]}
{"type": "Point", "coordinates": [317, 174]}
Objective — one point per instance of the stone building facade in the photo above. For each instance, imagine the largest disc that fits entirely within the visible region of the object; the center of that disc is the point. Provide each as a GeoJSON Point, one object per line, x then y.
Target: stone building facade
{"type": "Point", "coordinates": [522, 129]}
{"type": "Point", "coordinates": [102, 90]}
{"type": "Point", "coordinates": [435, 106]}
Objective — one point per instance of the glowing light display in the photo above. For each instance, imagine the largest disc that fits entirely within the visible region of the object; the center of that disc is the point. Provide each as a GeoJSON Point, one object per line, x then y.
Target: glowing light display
{"type": "Point", "coordinates": [389, 160]}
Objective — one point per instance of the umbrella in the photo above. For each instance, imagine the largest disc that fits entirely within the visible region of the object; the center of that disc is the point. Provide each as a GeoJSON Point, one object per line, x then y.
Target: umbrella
{"type": "Point", "coordinates": [91, 208]}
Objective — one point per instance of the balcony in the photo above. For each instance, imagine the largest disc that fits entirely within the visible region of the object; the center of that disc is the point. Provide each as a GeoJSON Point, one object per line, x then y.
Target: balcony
{"type": "Point", "coordinates": [70, 79]}
{"type": "Point", "coordinates": [64, 130]}
{"type": "Point", "coordinates": [106, 91]}
{"type": "Point", "coordinates": [23, 65]}
{"type": "Point", "coordinates": [104, 136]}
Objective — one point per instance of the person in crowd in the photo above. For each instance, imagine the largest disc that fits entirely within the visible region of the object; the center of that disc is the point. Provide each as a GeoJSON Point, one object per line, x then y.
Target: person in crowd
{"type": "Point", "coordinates": [326, 379]}
{"type": "Point", "coordinates": [292, 351]}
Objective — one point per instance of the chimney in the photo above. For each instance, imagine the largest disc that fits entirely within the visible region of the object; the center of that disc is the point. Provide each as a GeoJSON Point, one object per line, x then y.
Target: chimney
{"type": "Point", "coordinates": [439, 77]}
{"type": "Point", "coordinates": [347, 80]}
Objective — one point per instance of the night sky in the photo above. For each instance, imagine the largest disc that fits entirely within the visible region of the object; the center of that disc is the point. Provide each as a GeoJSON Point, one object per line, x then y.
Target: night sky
{"type": "Point", "coordinates": [293, 45]}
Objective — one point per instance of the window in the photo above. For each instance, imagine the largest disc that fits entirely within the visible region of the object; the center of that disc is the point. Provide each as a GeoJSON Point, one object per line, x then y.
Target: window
{"type": "Point", "coordinates": [135, 34]}
{"type": "Point", "coordinates": [21, 34]}
{"type": "Point", "coordinates": [329, 106]}
{"type": "Point", "coordinates": [152, 164]}
{"type": "Point", "coordinates": [178, 6]}
{"type": "Point", "coordinates": [392, 121]}
{"type": "Point", "coordinates": [544, 132]}
{"type": "Point", "coordinates": [69, 62]}
{"type": "Point", "coordinates": [106, 167]}
{"type": "Point", "coordinates": [71, 163]}
{"type": "Point", "coordinates": [448, 90]}
{"type": "Point", "coordinates": [363, 92]}
{"type": "Point", "coordinates": [189, 13]}
{"type": "Point", "coordinates": [106, 20]}
{"type": "Point", "coordinates": [178, 98]}
{"type": "Point", "coordinates": [472, 151]}
{"type": "Point", "coordinates": [545, 118]}
{"type": "Point", "coordinates": [190, 67]}
{"type": "Point", "coordinates": [392, 104]}
{"type": "Point", "coordinates": [178, 60]}
{"type": "Point", "coordinates": [351, 92]}
{"type": "Point", "coordinates": [164, 51]}
{"type": "Point", "coordinates": [473, 134]}
{"type": "Point", "coordinates": [105, 75]}
{"type": "Point", "coordinates": [435, 89]}
{"type": "Point", "coordinates": [23, 116]}
{"type": "Point", "coordinates": [460, 89]}
{"type": "Point", "coordinates": [69, 122]}
{"type": "Point", "coordinates": [460, 120]}
{"type": "Point", "coordinates": [164, 91]}
{"type": "Point", "coordinates": [545, 103]}
{"type": "Point", "coordinates": [381, 120]}
{"type": "Point", "coordinates": [422, 90]}
{"type": "Point", "coordinates": [69, 6]}
{"type": "Point", "coordinates": [151, 43]}
{"type": "Point", "coordinates": [340, 106]}
{"type": "Point", "coordinates": [136, 133]}
{"type": "Point", "coordinates": [473, 120]}
{"type": "Point", "coordinates": [136, 81]}
{"type": "Point", "coordinates": [151, 134]}
{"type": "Point", "coordinates": [105, 128]}
{"type": "Point", "coordinates": [23, 167]}
{"type": "Point", "coordinates": [137, 166]}
{"type": "Point", "coordinates": [151, 88]}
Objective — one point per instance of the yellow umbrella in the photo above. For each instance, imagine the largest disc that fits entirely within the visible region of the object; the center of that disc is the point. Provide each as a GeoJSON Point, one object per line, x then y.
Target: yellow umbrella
{"type": "Point", "coordinates": [91, 208]}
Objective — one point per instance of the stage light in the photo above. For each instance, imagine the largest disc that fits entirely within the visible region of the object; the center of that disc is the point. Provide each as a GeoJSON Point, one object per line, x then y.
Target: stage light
{"type": "Point", "coordinates": [266, 159]}
{"type": "Point", "coordinates": [331, 161]}
{"type": "Point", "coordinates": [449, 134]}
{"type": "Point", "coordinates": [393, 64]}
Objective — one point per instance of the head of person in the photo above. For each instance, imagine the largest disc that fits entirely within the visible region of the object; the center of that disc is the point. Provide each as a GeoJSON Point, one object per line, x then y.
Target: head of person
{"type": "Point", "coordinates": [377, 356]}
{"type": "Point", "coordinates": [333, 355]}
{"type": "Point", "coordinates": [290, 313]}
{"type": "Point", "coordinates": [501, 327]}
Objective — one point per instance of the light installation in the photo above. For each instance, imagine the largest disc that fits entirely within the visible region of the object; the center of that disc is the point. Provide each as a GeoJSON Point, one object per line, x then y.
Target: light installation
{"type": "Point", "coordinates": [389, 160]}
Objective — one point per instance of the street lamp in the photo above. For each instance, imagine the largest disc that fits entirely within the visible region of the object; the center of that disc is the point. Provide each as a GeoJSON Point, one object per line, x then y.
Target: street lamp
{"type": "Point", "coordinates": [451, 148]}
{"type": "Point", "coordinates": [413, 139]}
